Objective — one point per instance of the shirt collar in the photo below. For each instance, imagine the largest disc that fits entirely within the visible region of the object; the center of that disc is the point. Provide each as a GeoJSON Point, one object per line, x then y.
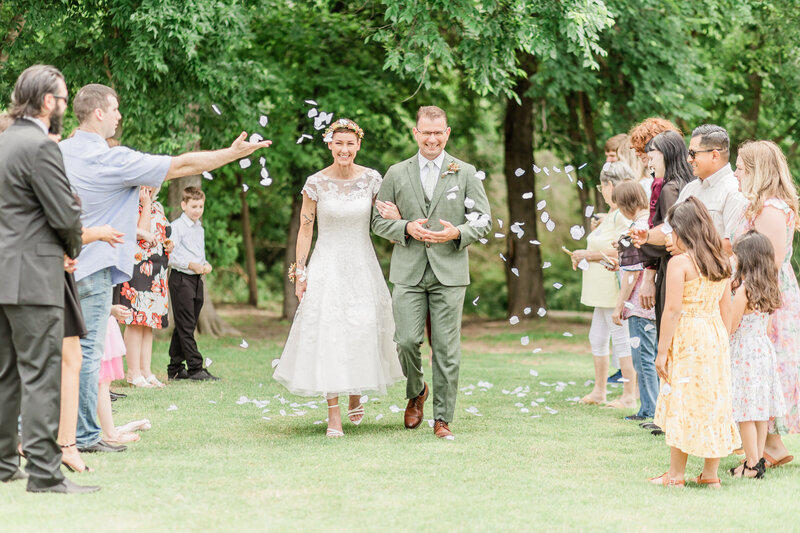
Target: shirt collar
{"type": "Point", "coordinates": [189, 222]}
{"type": "Point", "coordinates": [89, 136]}
{"type": "Point", "coordinates": [424, 160]}
{"type": "Point", "coordinates": [716, 177]}
{"type": "Point", "coordinates": [39, 123]}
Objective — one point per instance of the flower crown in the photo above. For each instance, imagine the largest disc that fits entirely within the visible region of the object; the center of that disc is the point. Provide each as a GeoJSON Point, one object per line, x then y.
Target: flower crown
{"type": "Point", "coordinates": [344, 124]}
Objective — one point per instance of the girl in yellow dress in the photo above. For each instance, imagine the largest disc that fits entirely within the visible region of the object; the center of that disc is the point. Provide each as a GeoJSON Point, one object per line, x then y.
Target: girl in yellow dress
{"type": "Point", "coordinates": [694, 405]}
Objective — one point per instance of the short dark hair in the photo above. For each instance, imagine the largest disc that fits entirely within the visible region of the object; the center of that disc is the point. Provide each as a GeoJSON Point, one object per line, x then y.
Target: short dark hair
{"type": "Point", "coordinates": [32, 86]}
{"type": "Point", "coordinates": [91, 97]}
{"type": "Point", "coordinates": [712, 137]}
{"type": "Point", "coordinates": [193, 193]}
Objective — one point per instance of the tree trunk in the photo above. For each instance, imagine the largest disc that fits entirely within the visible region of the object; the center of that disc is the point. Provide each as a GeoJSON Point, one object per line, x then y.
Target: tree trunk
{"type": "Point", "coordinates": [249, 249]}
{"type": "Point", "coordinates": [290, 302]}
{"type": "Point", "coordinates": [576, 139]}
{"type": "Point", "coordinates": [527, 288]}
{"type": "Point", "coordinates": [591, 140]}
{"type": "Point", "coordinates": [17, 23]}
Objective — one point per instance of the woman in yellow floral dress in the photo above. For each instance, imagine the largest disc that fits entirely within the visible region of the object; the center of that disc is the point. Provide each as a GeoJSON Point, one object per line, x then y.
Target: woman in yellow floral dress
{"type": "Point", "coordinates": [694, 405]}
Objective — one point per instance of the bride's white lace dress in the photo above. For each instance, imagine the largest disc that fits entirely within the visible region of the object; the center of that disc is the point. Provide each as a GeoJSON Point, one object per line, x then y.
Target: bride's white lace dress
{"type": "Point", "coordinates": [341, 341]}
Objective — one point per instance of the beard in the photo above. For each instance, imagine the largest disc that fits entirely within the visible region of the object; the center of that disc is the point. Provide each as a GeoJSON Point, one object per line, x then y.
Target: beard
{"type": "Point", "coordinates": [56, 123]}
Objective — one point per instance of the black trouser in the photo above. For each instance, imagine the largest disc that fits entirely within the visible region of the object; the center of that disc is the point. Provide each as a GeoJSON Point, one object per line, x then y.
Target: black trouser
{"type": "Point", "coordinates": [186, 295]}
{"type": "Point", "coordinates": [30, 383]}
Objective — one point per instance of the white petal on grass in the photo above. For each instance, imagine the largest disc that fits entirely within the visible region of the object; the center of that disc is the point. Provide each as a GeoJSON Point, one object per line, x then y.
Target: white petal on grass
{"type": "Point", "coordinates": [525, 340]}
{"type": "Point", "coordinates": [514, 320]}
{"type": "Point", "coordinates": [172, 407]}
{"type": "Point", "coordinates": [379, 416]}
{"type": "Point", "coordinates": [577, 232]}
{"type": "Point", "coordinates": [364, 399]}
{"type": "Point", "coordinates": [469, 203]}
{"type": "Point", "coordinates": [533, 372]}
{"type": "Point", "coordinates": [244, 344]}
{"type": "Point", "coordinates": [207, 175]}
{"type": "Point", "coordinates": [394, 409]}
{"type": "Point", "coordinates": [536, 350]}
{"type": "Point", "coordinates": [527, 196]}
{"type": "Point", "coordinates": [216, 109]}
{"type": "Point", "coordinates": [567, 334]}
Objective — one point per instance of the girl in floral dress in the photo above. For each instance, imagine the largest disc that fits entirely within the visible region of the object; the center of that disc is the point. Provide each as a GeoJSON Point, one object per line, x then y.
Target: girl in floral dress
{"type": "Point", "coordinates": [765, 181]}
{"type": "Point", "coordinates": [694, 404]}
{"type": "Point", "coordinates": [756, 389]}
{"type": "Point", "coordinates": [146, 293]}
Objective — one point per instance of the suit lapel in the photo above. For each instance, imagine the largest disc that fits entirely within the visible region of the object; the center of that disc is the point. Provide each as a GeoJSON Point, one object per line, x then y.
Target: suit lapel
{"type": "Point", "coordinates": [441, 183]}
{"type": "Point", "coordinates": [416, 185]}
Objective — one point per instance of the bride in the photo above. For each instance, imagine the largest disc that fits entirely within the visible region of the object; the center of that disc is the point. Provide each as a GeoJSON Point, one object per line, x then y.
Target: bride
{"type": "Point", "coordinates": [341, 340]}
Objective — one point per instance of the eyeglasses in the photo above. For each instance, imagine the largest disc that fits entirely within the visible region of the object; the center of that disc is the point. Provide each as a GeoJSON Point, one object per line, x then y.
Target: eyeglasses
{"type": "Point", "coordinates": [434, 133]}
{"type": "Point", "coordinates": [600, 186]}
{"type": "Point", "coordinates": [65, 98]}
{"type": "Point", "coordinates": [693, 153]}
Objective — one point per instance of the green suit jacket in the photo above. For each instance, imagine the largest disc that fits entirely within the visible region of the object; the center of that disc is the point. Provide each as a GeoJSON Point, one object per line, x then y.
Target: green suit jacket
{"type": "Point", "coordinates": [450, 260]}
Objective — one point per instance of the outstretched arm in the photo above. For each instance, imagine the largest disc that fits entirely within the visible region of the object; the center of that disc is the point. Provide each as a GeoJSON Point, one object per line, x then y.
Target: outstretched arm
{"type": "Point", "coordinates": [193, 163]}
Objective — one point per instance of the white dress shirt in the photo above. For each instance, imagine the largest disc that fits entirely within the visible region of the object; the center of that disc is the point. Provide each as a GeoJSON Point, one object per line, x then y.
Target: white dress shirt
{"type": "Point", "coordinates": [38, 122]}
{"type": "Point", "coordinates": [424, 170]}
{"type": "Point", "coordinates": [190, 246]}
{"type": "Point", "coordinates": [720, 194]}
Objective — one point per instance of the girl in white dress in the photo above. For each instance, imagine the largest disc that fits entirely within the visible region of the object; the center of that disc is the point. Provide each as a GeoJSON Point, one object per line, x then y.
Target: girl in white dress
{"type": "Point", "coordinates": [341, 340]}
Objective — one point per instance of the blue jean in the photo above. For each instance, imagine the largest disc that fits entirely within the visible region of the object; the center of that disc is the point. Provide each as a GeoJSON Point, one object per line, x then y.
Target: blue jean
{"type": "Point", "coordinates": [644, 362]}
{"type": "Point", "coordinates": [94, 292]}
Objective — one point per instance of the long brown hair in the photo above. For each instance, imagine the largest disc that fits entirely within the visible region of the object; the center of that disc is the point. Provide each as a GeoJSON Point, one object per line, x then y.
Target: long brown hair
{"type": "Point", "coordinates": [693, 225]}
{"type": "Point", "coordinates": [766, 175]}
{"type": "Point", "coordinates": [755, 259]}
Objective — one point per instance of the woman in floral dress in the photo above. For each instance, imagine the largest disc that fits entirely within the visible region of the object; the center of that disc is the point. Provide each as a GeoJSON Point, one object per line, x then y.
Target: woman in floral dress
{"type": "Point", "coordinates": [146, 293]}
{"type": "Point", "coordinates": [765, 181]}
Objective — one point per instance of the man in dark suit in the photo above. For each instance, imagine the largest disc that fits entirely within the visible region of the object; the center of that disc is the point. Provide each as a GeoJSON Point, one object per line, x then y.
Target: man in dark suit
{"type": "Point", "coordinates": [40, 227]}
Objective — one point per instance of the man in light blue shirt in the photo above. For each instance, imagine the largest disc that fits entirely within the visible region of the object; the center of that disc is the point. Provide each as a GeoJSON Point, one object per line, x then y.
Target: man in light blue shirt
{"type": "Point", "coordinates": [107, 180]}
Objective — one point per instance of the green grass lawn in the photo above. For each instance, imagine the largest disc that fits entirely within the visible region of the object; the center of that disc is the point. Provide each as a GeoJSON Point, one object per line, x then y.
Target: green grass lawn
{"type": "Point", "coordinates": [215, 465]}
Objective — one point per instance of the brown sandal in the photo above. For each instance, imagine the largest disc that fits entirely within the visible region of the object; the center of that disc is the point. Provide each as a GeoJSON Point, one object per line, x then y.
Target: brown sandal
{"type": "Point", "coordinates": [773, 463]}
{"type": "Point", "coordinates": [665, 481]}
{"type": "Point", "coordinates": [710, 481]}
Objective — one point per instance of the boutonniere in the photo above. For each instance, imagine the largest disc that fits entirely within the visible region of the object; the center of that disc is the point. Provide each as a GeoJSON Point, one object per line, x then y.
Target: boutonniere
{"type": "Point", "coordinates": [452, 168]}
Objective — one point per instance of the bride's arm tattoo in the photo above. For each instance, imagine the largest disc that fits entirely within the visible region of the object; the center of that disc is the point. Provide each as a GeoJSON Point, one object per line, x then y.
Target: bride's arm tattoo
{"type": "Point", "coordinates": [308, 218]}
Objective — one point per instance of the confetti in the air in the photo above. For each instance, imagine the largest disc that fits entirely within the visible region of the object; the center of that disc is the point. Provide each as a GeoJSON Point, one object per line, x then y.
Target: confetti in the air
{"type": "Point", "coordinates": [519, 172]}
{"type": "Point", "coordinates": [207, 175]}
{"type": "Point", "coordinates": [589, 211]}
{"type": "Point", "coordinates": [244, 344]}
{"type": "Point", "coordinates": [583, 165]}
{"type": "Point", "coordinates": [275, 362]}
{"type": "Point", "coordinates": [245, 187]}
{"type": "Point", "coordinates": [550, 225]}
{"type": "Point", "coordinates": [557, 285]}
{"type": "Point", "coordinates": [525, 340]}
{"type": "Point", "coordinates": [583, 265]}
{"type": "Point", "coordinates": [469, 203]}
{"type": "Point", "coordinates": [481, 175]}
{"type": "Point", "coordinates": [263, 120]}
{"type": "Point", "coordinates": [475, 301]}
{"type": "Point", "coordinates": [256, 138]}
{"type": "Point", "coordinates": [244, 163]}
{"type": "Point", "coordinates": [208, 362]}
{"type": "Point", "coordinates": [541, 205]}
{"type": "Point", "coordinates": [577, 232]}
{"type": "Point", "coordinates": [527, 196]}
{"type": "Point", "coordinates": [527, 311]}
{"type": "Point", "coordinates": [514, 320]}
{"type": "Point", "coordinates": [635, 341]}
{"type": "Point", "coordinates": [541, 311]}
{"type": "Point", "coordinates": [312, 102]}
{"type": "Point", "coordinates": [218, 112]}
{"type": "Point", "coordinates": [515, 271]}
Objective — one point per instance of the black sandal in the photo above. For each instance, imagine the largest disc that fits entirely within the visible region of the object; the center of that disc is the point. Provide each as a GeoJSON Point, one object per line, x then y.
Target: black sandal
{"type": "Point", "coordinates": [73, 468]}
{"type": "Point", "coordinates": [759, 469]}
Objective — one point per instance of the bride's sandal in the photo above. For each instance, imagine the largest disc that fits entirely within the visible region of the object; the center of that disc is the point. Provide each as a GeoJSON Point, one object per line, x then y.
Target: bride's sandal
{"type": "Point", "coordinates": [333, 432]}
{"type": "Point", "coordinates": [356, 415]}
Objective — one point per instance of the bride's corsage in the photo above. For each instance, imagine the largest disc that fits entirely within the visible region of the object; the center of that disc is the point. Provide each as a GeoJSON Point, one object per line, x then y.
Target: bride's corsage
{"type": "Point", "coordinates": [297, 273]}
{"type": "Point", "coordinates": [452, 168]}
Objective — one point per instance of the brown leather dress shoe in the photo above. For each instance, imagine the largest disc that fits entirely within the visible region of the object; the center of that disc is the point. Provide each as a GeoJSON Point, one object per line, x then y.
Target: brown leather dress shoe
{"type": "Point", "coordinates": [413, 415]}
{"type": "Point", "coordinates": [441, 430]}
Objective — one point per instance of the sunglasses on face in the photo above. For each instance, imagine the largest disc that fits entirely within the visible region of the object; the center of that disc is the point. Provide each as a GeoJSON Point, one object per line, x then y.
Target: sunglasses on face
{"type": "Point", "coordinates": [693, 153]}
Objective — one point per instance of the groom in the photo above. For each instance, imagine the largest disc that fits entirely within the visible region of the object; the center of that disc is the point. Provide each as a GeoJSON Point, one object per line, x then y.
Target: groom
{"type": "Point", "coordinates": [445, 209]}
